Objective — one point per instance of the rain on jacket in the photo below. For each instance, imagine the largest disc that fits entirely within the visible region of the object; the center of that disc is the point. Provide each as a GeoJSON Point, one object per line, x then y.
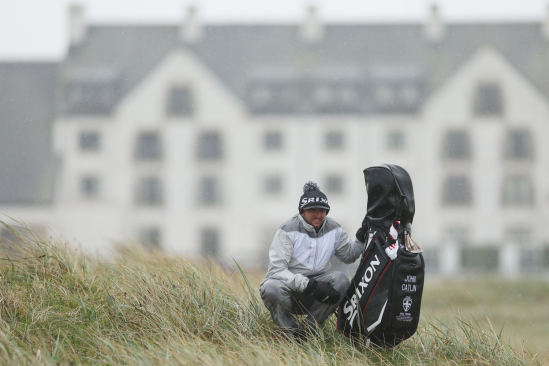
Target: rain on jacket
{"type": "Point", "coordinates": [298, 251]}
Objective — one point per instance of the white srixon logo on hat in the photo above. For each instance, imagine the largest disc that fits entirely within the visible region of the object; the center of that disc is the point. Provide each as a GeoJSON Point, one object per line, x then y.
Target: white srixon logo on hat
{"type": "Point", "coordinates": [313, 199]}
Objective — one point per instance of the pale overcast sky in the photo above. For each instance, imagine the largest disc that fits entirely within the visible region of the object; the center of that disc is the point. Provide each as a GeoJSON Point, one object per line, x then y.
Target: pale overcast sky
{"type": "Point", "coordinates": [36, 29]}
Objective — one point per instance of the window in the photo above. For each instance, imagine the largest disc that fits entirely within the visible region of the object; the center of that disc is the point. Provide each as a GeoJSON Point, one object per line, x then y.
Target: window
{"type": "Point", "coordinates": [334, 140]}
{"type": "Point", "coordinates": [151, 238]}
{"type": "Point", "coordinates": [396, 140]}
{"type": "Point", "coordinates": [149, 147]}
{"type": "Point", "coordinates": [334, 184]}
{"type": "Point", "coordinates": [458, 235]}
{"type": "Point", "coordinates": [488, 100]}
{"type": "Point", "coordinates": [272, 185]}
{"type": "Point", "coordinates": [89, 141]}
{"type": "Point", "coordinates": [262, 95]}
{"type": "Point", "coordinates": [518, 145]}
{"type": "Point", "coordinates": [480, 259]}
{"type": "Point", "coordinates": [384, 95]}
{"type": "Point", "coordinates": [456, 191]}
{"type": "Point", "coordinates": [209, 146]}
{"type": "Point", "coordinates": [95, 96]}
{"type": "Point", "coordinates": [180, 102]}
{"type": "Point", "coordinates": [517, 191]}
{"type": "Point", "coordinates": [209, 191]}
{"type": "Point", "coordinates": [149, 191]}
{"type": "Point", "coordinates": [89, 187]}
{"type": "Point", "coordinates": [272, 140]}
{"type": "Point", "coordinates": [519, 236]}
{"type": "Point", "coordinates": [457, 145]}
{"type": "Point", "coordinates": [209, 240]}
{"type": "Point", "coordinates": [323, 95]}
{"type": "Point", "coordinates": [410, 94]}
{"type": "Point", "coordinates": [347, 95]}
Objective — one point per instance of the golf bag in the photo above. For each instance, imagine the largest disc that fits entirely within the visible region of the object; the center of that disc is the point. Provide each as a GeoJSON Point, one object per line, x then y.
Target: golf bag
{"type": "Point", "coordinates": [384, 299]}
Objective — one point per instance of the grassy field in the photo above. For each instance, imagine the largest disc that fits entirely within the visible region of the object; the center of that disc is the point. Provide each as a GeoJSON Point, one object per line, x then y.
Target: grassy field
{"type": "Point", "coordinates": [518, 308]}
{"type": "Point", "coordinates": [57, 306]}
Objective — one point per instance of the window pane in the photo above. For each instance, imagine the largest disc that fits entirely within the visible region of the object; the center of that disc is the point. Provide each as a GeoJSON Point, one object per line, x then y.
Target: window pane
{"type": "Point", "coordinates": [334, 184]}
{"type": "Point", "coordinates": [518, 145]}
{"type": "Point", "coordinates": [272, 140]}
{"type": "Point", "coordinates": [488, 100]}
{"type": "Point", "coordinates": [209, 191]}
{"type": "Point", "coordinates": [272, 185]}
{"type": "Point", "coordinates": [456, 145]}
{"type": "Point", "coordinates": [180, 102]}
{"type": "Point", "coordinates": [480, 259]}
{"type": "Point", "coordinates": [149, 147]}
{"type": "Point", "coordinates": [89, 141]}
{"type": "Point", "coordinates": [209, 242]}
{"type": "Point", "coordinates": [149, 191]}
{"type": "Point", "coordinates": [456, 191]}
{"type": "Point", "coordinates": [517, 191]}
{"type": "Point", "coordinates": [151, 238]}
{"type": "Point", "coordinates": [519, 236]}
{"type": "Point", "coordinates": [395, 140]}
{"type": "Point", "coordinates": [89, 187]}
{"type": "Point", "coordinates": [333, 140]}
{"type": "Point", "coordinates": [458, 235]}
{"type": "Point", "coordinates": [209, 146]}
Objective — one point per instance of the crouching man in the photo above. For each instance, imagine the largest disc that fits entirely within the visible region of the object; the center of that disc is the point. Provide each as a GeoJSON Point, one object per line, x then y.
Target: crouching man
{"type": "Point", "coordinates": [298, 281]}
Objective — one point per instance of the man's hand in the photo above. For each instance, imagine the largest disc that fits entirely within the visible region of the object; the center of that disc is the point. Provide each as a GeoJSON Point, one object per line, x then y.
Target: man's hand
{"type": "Point", "coordinates": [362, 231]}
{"type": "Point", "coordinates": [322, 291]}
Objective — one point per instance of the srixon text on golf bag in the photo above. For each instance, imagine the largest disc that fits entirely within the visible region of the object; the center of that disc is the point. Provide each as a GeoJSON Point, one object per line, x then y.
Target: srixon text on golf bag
{"type": "Point", "coordinates": [384, 298]}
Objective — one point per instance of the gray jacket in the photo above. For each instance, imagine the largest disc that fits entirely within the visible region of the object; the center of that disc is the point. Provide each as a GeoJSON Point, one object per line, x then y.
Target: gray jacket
{"type": "Point", "coordinates": [298, 251]}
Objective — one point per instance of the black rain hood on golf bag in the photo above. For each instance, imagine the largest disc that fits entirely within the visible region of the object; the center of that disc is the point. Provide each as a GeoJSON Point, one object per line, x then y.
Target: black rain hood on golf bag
{"type": "Point", "coordinates": [390, 196]}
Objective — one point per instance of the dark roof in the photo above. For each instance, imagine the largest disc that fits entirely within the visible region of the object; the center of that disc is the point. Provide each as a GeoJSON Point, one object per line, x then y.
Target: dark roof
{"type": "Point", "coordinates": [27, 110]}
{"type": "Point", "coordinates": [273, 71]}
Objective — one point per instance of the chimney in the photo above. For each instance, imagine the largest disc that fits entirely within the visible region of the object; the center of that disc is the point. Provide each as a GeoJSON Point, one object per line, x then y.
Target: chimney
{"type": "Point", "coordinates": [77, 24]}
{"type": "Point", "coordinates": [311, 30]}
{"type": "Point", "coordinates": [545, 25]}
{"type": "Point", "coordinates": [434, 28]}
{"type": "Point", "coordinates": [191, 30]}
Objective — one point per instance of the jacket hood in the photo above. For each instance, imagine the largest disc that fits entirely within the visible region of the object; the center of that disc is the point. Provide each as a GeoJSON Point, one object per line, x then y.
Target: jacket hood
{"type": "Point", "coordinates": [390, 196]}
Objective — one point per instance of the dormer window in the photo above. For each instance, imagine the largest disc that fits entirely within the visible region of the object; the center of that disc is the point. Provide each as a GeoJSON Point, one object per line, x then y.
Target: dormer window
{"type": "Point", "coordinates": [262, 95]}
{"type": "Point", "coordinates": [488, 100]}
{"type": "Point", "coordinates": [384, 95]}
{"type": "Point", "coordinates": [348, 95]}
{"type": "Point", "coordinates": [90, 91]}
{"type": "Point", "coordinates": [180, 102]}
{"type": "Point", "coordinates": [89, 141]}
{"type": "Point", "coordinates": [323, 95]}
{"type": "Point", "coordinates": [409, 95]}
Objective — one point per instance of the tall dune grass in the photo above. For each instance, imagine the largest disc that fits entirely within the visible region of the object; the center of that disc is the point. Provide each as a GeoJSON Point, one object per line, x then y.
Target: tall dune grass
{"type": "Point", "coordinates": [59, 306]}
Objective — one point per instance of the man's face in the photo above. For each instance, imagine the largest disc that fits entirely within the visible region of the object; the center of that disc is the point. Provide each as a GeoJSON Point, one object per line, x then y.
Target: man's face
{"type": "Point", "coordinates": [314, 216]}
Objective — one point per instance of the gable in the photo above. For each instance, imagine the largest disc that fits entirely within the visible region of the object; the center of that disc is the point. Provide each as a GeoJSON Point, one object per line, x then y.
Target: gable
{"type": "Point", "coordinates": [454, 99]}
{"type": "Point", "coordinates": [148, 101]}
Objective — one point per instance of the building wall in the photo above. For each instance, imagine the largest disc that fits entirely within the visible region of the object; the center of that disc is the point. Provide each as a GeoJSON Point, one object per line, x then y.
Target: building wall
{"type": "Point", "coordinates": [247, 217]}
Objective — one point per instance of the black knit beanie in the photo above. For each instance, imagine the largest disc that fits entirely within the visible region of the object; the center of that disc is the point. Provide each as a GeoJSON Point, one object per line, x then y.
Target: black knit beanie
{"type": "Point", "coordinates": [313, 198]}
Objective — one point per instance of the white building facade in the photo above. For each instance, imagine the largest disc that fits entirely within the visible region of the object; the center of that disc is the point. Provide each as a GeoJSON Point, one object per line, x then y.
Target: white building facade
{"type": "Point", "coordinates": [205, 152]}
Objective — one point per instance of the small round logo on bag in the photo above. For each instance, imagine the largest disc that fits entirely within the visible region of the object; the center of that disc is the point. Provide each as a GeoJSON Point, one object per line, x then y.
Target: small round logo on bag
{"type": "Point", "coordinates": [407, 303]}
